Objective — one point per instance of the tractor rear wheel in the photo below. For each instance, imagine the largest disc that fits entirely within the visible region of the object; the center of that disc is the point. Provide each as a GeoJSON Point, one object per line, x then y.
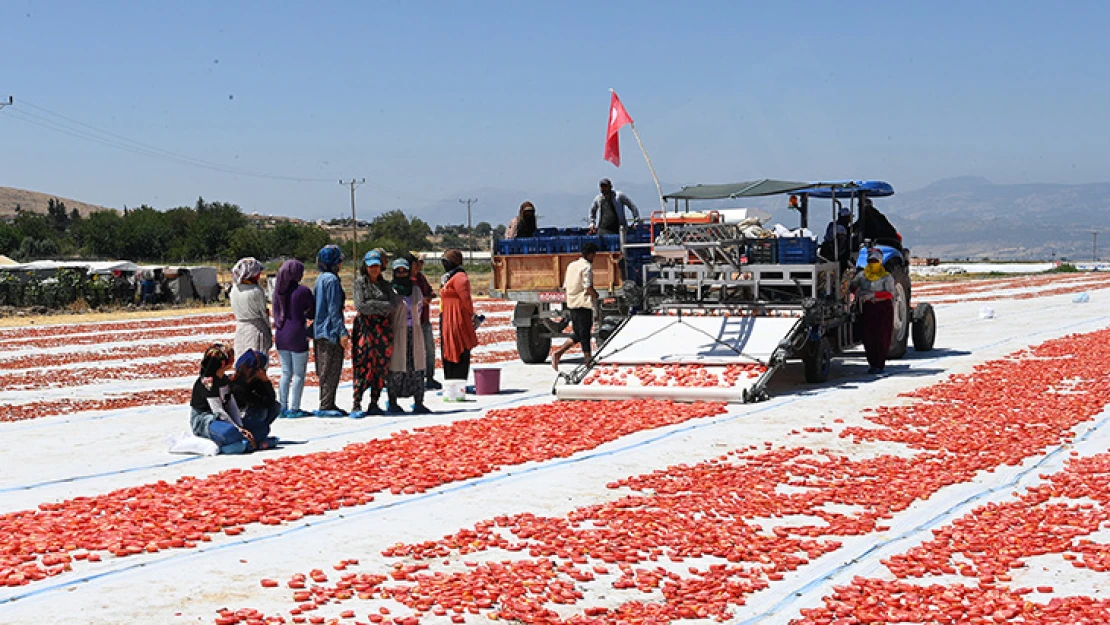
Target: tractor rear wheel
{"type": "Point", "coordinates": [900, 332]}
{"type": "Point", "coordinates": [924, 327]}
{"type": "Point", "coordinates": [817, 359]}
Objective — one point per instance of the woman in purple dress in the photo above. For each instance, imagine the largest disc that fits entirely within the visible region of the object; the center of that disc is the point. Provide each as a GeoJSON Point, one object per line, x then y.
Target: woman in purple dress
{"type": "Point", "coordinates": [294, 306]}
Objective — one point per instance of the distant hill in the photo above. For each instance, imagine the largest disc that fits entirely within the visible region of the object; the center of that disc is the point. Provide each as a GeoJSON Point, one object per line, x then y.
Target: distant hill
{"type": "Point", "coordinates": [36, 202]}
{"type": "Point", "coordinates": [965, 217]}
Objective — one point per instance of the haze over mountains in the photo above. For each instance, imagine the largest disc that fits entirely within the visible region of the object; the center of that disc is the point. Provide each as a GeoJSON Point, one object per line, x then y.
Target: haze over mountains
{"type": "Point", "coordinates": [964, 217]}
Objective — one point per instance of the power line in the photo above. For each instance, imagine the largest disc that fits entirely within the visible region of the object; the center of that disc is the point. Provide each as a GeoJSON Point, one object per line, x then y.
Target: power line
{"type": "Point", "coordinates": [354, 184]}
{"type": "Point", "coordinates": [88, 132]}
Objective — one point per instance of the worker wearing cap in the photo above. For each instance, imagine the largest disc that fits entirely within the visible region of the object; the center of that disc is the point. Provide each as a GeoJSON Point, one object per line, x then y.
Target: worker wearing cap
{"type": "Point", "coordinates": [874, 288]}
{"type": "Point", "coordinates": [607, 213]}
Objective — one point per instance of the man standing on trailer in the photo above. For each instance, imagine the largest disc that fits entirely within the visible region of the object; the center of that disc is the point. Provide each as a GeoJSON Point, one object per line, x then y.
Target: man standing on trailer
{"type": "Point", "coordinates": [607, 213]}
{"type": "Point", "coordinates": [581, 298]}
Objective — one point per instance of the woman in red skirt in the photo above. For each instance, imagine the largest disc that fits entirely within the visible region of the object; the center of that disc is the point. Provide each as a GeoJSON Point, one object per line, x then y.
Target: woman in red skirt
{"type": "Point", "coordinates": [874, 287]}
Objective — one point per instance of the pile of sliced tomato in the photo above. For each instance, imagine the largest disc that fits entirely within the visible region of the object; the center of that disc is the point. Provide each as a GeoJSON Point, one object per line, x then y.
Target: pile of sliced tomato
{"type": "Point", "coordinates": [720, 517]}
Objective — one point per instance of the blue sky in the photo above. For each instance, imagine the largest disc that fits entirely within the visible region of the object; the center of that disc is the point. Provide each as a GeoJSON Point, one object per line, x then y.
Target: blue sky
{"type": "Point", "coordinates": [428, 100]}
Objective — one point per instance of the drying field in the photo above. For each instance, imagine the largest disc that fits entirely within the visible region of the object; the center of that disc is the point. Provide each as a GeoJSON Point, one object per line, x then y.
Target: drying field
{"type": "Point", "coordinates": [969, 485]}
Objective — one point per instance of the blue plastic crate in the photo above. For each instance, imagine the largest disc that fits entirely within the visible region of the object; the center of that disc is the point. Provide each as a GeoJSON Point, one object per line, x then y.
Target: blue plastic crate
{"type": "Point", "coordinates": [547, 232]}
{"type": "Point", "coordinates": [610, 242]}
{"type": "Point", "coordinates": [596, 240]}
{"type": "Point", "coordinates": [535, 245]}
{"type": "Point", "coordinates": [505, 247]}
{"type": "Point", "coordinates": [638, 234]}
{"type": "Point", "coordinates": [797, 251]}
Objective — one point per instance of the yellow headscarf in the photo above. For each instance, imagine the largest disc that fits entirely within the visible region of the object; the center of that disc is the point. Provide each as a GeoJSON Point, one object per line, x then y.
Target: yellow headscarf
{"type": "Point", "coordinates": [874, 271]}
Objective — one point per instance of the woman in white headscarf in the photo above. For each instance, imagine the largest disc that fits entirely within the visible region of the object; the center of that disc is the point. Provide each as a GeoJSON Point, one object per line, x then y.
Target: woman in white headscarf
{"type": "Point", "coordinates": [248, 302]}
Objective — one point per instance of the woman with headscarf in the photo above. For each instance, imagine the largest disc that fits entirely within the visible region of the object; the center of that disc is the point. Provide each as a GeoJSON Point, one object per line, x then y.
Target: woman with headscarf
{"type": "Point", "coordinates": [248, 302]}
{"type": "Point", "coordinates": [215, 414]}
{"type": "Point", "coordinates": [406, 365]}
{"type": "Point", "coordinates": [524, 224]}
{"type": "Point", "coordinates": [254, 394]}
{"type": "Point", "coordinates": [874, 288]}
{"type": "Point", "coordinates": [329, 329]}
{"type": "Point", "coordinates": [456, 318]}
{"type": "Point", "coordinates": [294, 306]}
{"type": "Point", "coordinates": [372, 342]}
{"type": "Point", "coordinates": [416, 260]}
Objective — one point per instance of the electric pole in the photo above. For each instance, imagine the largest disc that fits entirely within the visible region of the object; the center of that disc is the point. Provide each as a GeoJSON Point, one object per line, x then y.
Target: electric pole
{"type": "Point", "coordinates": [10, 102]}
{"type": "Point", "coordinates": [469, 227]}
{"type": "Point", "coordinates": [354, 184]}
{"type": "Point", "coordinates": [1094, 246]}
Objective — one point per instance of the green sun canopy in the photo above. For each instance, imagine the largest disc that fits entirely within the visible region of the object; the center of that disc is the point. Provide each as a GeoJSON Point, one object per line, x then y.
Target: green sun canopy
{"type": "Point", "coordinates": [753, 188]}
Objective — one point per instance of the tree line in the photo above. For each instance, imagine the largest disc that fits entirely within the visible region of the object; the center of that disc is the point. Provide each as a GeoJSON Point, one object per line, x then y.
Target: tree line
{"type": "Point", "coordinates": [205, 231]}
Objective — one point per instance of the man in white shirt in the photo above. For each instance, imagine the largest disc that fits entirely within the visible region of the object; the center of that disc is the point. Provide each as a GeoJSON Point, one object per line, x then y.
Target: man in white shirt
{"type": "Point", "coordinates": [581, 297]}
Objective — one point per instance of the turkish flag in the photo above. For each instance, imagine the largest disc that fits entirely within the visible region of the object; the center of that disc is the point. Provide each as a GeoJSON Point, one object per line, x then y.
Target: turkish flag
{"type": "Point", "coordinates": [617, 118]}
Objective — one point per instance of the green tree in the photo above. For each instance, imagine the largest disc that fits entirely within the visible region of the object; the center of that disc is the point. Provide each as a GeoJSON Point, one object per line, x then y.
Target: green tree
{"type": "Point", "coordinates": [397, 234]}
{"type": "Point", "coordinates": [37, 249]}
{"type": "Point", "coordinates": [211, 230]}
{"type": "Point", "coordinates": [34, 225]}
{"type": "Point", "coordinates": [483, 229]}
{"type": "Point", "coordinates": [145, 234]}
{"type": "Point", "coordinates": [99, 235]}
{"type": "Point", "coordinates": [311, 239]}
{"type": "Point", "coordinates": [57, 215]}
{"type": "Point", "coordinates": [9, 239]}
{"type": "Point", "coordinates": [250, 241]}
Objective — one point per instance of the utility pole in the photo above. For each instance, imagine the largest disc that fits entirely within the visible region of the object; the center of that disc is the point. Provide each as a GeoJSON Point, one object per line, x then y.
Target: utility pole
{"type": "Point", "coordinates": [354, 184]}
{"type": "Point", "coordinates": [10, 102]}
{"type": "Point", "coordinates": [469, 227]}
{"type": "Point", "coordinates": [1094, 245]}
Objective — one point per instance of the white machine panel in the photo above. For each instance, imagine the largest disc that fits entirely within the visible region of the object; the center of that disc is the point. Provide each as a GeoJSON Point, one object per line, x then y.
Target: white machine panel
{"type": "Point", "coordinates": [696, 340]}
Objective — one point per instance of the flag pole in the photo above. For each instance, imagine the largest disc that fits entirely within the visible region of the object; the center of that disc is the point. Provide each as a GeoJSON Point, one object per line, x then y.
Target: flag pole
{"type": "Point", "coordinates": [662, 202]}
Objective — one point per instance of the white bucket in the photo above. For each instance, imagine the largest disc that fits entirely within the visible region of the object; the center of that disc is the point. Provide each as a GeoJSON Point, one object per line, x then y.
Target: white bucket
{"type": "Point", "coordinates": [454, 390]}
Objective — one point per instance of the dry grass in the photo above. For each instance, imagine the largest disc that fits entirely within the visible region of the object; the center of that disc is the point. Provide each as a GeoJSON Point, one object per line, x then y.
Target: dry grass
{"type": "Point", "coordinates": [115, 315]}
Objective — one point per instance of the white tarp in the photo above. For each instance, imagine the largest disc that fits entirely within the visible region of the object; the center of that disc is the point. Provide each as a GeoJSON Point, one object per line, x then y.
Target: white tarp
{"type": "Point", "coordinates": [696, 340]}
{"type": "Point", "coordinates": [91, 266]}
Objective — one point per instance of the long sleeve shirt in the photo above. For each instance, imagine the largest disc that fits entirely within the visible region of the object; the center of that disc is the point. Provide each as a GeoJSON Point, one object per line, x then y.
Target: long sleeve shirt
{"type": "Point", "coordinates": [429, 295]}
{"type": "Point", "coordinates": [330, 300]}
{"type": "Point", "coordinates": [868, 288]}
{"type": "Point", "coordinates": [620, 203]}
{"type": "Point", "coordinates": [373, 298]}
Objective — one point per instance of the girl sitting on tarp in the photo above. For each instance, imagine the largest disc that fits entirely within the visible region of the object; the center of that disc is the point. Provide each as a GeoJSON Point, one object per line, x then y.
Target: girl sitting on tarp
{"type": "Point", "coordinates": [254, 394]}
{"type": "Point", "coordinates": [215, 413]}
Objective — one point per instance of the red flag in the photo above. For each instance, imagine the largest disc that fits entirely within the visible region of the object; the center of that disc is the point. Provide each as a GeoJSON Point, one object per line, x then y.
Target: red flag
{"type": "Point", "coordinates": [617, 118]}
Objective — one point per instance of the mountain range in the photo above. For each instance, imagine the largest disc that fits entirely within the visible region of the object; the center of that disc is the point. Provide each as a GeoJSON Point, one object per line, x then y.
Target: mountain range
{"type": "Point", "coordinates": [954, 218]}
{"type": "Point", "coordinates": [963, 217]}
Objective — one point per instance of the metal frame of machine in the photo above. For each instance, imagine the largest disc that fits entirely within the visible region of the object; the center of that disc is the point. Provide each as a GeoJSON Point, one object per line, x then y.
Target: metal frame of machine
{"type": "Point", "coordinates": [703, 270]}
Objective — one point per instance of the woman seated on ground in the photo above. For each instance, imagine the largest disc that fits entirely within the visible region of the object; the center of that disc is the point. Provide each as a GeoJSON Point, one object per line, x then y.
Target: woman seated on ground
{"type": "Point", "coordinates": [254, 394]}
{"type": "Point", "coordinates": [215, 415]}
{"type": "Point", "coordinates": [874, 287]}
{"type": "Point", "coordinates": [406, 363]}
{"type": "Point", "coordinates": [524, 224]}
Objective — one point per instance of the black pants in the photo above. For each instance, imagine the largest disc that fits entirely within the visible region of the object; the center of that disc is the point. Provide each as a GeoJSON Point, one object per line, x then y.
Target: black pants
{"type": "Point", "coordinates": [457, 370]}
{"type": "Point", "coordinates": [582, 325]}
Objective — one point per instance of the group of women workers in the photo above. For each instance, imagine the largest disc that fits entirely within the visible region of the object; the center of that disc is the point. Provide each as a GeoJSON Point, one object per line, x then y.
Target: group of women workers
{"type": "Point", "coordinates": [392, 343]}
